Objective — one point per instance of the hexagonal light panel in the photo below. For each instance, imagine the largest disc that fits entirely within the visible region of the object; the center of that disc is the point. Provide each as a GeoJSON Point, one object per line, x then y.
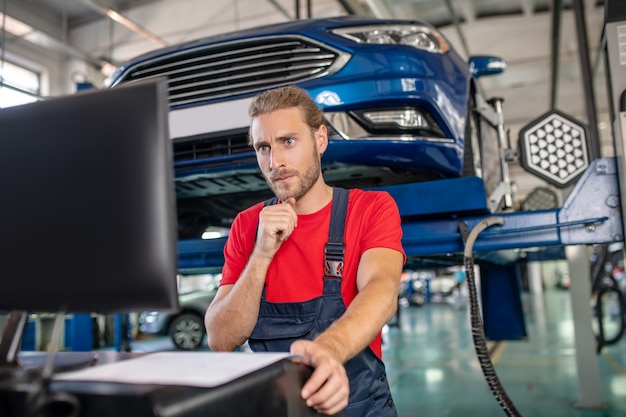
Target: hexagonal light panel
{"type": "Point", "coordinates": [554, 147]}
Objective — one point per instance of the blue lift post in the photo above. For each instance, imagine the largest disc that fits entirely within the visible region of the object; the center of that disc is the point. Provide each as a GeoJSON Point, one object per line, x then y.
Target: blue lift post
{"type": "Point", "coordinates": [79, 332]}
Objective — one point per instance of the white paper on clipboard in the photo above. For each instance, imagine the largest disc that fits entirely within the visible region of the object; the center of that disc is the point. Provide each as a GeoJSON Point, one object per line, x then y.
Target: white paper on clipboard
{"type": "Point", "coordinates": [199, 369]}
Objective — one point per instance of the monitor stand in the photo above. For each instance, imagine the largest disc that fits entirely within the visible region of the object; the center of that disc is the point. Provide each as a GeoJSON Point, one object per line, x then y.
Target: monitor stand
{"type": "Point", "coordinates": [33, 382]}
{"type": "Point", "coordinates": [10, 370]}
{"type": "Point", "coordinates": [16, 366]}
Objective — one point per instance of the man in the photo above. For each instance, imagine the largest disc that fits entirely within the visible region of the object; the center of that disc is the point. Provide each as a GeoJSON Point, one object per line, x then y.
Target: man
{"type": "Point", "coordinates": [275, 291]}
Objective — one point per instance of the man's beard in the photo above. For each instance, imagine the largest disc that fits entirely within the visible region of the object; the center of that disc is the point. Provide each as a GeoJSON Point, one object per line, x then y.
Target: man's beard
{"type": "Point", "coordinates": [305, 183]}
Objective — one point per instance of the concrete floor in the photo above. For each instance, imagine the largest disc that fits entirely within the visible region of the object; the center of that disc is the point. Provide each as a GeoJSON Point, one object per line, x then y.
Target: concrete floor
{"type": "Point", "coordinates": [433, 370]}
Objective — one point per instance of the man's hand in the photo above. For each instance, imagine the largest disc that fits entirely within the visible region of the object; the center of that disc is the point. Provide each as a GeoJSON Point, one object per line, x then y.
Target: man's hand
{"type": "Point", "coordinates": [328, 388]}
{"type": "Point", "coordinates": [276, 223]}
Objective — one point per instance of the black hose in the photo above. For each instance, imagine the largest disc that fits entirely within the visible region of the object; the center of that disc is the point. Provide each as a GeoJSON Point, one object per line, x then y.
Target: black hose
{"type": "Point", "coordinates": [604, 289]}
{"type": "Point", "coordinates": [605, 284]}
{"type": "Point", "coordinates": [478, 333]}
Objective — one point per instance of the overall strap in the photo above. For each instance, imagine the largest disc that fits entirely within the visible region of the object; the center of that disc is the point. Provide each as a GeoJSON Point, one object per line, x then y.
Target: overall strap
{"type": "Point", "coordinates": [270, 202]}
{"type": "Point", "coordinates": [335, 248]}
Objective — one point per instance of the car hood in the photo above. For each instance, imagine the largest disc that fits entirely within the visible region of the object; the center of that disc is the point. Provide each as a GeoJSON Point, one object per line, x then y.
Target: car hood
{"type": "Point", "coordinates": [308, 27]}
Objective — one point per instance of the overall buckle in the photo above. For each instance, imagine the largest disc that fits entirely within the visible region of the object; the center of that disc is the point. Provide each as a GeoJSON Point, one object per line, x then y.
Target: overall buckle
{"type": "Point", "coordinates": [333, 269]}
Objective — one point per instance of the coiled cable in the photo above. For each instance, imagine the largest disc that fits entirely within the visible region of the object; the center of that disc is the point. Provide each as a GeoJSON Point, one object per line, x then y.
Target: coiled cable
{"type": "Point", "coordinates": [478, 333]}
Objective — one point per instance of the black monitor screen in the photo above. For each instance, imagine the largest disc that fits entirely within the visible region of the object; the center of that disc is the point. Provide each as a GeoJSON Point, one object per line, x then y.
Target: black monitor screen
{"type": "Point", "coordinates": [87, 212]}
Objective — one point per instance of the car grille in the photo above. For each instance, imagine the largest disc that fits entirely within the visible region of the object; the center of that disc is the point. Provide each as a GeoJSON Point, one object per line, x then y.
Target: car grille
{"type": "Point", "coordinates": [220, 144]}
{"type": "Point", "coordinates": [226, 69]}
{"type": "Point", "coordinates": [233, 143]}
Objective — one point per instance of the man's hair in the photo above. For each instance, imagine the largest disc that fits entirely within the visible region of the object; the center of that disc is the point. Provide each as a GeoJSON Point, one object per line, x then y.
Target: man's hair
{"type": "Point", "coordinates": [284, 98]}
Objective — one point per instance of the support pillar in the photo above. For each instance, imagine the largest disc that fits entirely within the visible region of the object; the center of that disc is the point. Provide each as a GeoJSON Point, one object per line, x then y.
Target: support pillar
{"type": "Point", "coordinates": [587, 370]}
{"type": "Point", "coordinates": [535, 283]}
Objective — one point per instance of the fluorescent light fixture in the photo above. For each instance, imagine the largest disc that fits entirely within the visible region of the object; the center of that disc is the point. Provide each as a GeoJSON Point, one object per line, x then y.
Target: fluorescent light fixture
{"type": "Point", "coordinates": [124, 21]}
{"type": "Point", "coordinates": [14, 26]}
{"type": "Point", "coordinates": [115, 16]}
{"type": "Point", "coordinates": [211, 235]}
{"type": "Point", "coordinates": [215, 232]}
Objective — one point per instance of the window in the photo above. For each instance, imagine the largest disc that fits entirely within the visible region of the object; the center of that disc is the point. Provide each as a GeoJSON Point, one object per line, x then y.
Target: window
{"type": "Point", "coordinates": [18, 85]}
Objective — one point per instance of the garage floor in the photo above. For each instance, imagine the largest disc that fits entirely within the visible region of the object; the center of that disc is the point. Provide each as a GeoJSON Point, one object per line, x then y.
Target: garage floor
{"type": "Point", "coordinates": [433, 369]}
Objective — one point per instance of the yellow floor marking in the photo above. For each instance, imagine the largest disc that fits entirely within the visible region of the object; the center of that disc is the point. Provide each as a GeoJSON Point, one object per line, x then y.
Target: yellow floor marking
{"type": "Point", "coordinates": [497, 351]}
{"type": "Point", "coordinates": [614, 364]}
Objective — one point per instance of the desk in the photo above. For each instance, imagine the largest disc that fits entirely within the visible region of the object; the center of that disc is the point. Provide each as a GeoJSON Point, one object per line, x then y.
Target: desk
{"type": "Point", "coordinates": [271, 391]}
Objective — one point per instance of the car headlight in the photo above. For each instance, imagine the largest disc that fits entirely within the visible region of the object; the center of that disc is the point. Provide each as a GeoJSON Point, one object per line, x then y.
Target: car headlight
{"type": "Point", "coordinates": [149, 317]}
{"type": "Point", "coordinates": [403, 118]}
{"type": "Point", "coordinates": [406, 119]}
{"type": "Point", "coordinates": [418, 36]}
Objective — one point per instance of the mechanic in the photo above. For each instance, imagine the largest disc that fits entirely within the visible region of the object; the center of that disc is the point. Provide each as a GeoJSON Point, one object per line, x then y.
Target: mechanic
{"type": "Point", "coordinates": [280, 291]}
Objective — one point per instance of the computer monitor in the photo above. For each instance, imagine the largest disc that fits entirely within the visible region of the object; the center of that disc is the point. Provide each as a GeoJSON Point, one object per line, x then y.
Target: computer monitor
{"type": "Point", "coordinates": [88, 210]}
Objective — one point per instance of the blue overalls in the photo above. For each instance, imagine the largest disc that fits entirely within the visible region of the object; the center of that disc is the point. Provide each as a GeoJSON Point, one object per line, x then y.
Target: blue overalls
{"type": "Point", "coordinates": [280, 324]}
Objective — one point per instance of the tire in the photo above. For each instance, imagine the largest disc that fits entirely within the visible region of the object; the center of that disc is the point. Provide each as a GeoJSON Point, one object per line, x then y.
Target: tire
{"type": "Point", "coordinates": [187, 331]}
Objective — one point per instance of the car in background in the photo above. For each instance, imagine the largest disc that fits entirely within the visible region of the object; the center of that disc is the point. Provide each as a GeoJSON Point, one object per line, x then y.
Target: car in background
{"type": "Point", "coordinates": [400, 105]}
{"type": "Point", "coordinates": [186, 326]}
{"type": "Point", "coordinates": [443, 285]}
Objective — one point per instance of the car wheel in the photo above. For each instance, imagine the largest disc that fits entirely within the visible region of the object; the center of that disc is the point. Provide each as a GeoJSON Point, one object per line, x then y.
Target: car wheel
{"type": "Point", "coordinates": [187, 331]}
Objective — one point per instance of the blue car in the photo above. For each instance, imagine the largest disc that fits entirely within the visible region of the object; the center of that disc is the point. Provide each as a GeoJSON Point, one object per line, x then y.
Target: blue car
{"type": "Point", "coordinates": [399, 104]}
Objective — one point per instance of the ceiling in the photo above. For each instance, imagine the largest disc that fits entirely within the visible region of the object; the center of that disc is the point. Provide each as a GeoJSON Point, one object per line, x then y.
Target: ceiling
{"type": "Point", "coordinates": [437, 12]}
{"type": "Point", "coordinates": [544, 68]}
{"type": "Point", "coordinates": [80, 12]}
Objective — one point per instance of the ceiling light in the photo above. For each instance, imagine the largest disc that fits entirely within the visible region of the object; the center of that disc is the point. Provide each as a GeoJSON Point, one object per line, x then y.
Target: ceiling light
{"type": "Point", "coordinates": [215, 232]}
{"type": "Point", "coordinates": [124, 21]}
{"type": "Point", "coordinates": [14, 26]}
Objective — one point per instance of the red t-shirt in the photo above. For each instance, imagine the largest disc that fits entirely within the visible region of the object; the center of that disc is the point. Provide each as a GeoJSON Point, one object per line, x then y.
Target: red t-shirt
{"type": "Point", "coordinates": [295, 274]}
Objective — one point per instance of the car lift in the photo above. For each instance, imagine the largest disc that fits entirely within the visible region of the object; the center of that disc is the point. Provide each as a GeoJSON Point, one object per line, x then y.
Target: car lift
{"type": "Point", "coordinates": [590, 215]}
